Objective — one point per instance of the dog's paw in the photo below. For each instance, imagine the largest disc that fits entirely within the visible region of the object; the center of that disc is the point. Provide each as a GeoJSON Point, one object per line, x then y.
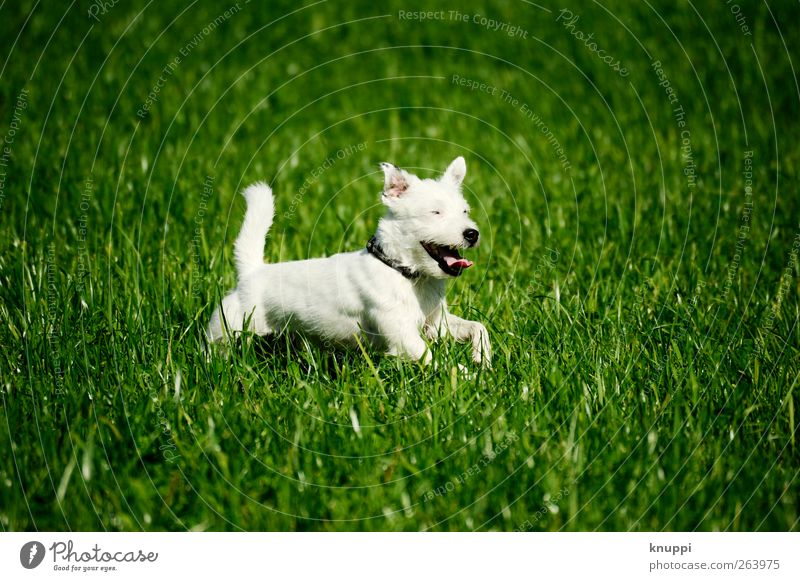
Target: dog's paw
{"type": "Point", "coordinates": [466, 373]}
{"type": "Point", "coordinates": [481, 347]}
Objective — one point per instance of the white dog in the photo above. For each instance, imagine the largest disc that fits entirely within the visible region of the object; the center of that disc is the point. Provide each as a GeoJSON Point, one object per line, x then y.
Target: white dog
{"type": "Point", "coordinates": [390, 293]}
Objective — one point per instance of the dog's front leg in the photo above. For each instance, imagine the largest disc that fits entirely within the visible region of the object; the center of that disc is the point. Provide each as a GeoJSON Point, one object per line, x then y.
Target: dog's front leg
{"type": "Point", "coordinates": [405, 341]}
{"type": "Point", "coordinates": [466, 331]}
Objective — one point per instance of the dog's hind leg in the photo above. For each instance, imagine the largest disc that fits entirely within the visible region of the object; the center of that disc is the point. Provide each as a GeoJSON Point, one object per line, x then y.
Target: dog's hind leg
{"type": "Point", "coordinates": [235, 316]}
{"type": "Point", "coordinates": [227, 320]}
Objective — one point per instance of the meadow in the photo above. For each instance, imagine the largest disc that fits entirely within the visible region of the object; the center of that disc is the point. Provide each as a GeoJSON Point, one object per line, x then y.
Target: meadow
{"type": "Point", "coordinates": [633, 169]}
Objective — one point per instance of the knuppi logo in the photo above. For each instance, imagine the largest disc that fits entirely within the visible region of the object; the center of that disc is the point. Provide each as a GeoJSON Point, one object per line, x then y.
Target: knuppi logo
{"type": "Point", "coordinates": [31, 554]}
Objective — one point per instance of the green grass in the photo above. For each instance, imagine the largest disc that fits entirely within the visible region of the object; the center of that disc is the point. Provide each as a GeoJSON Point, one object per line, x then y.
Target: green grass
{"type": "Point", "coordinates": [646, 368]}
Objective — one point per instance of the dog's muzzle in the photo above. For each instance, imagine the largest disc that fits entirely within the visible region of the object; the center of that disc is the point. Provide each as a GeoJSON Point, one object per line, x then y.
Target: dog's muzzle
{"type": "Point", "coordinates": [471, 236]}
{"type": "Point", "coordinates": [447, 257]}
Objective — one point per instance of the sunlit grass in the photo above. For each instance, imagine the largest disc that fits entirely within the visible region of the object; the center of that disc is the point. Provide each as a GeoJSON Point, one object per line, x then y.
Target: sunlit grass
{"type": "Point", "coordinates": [645, 366]}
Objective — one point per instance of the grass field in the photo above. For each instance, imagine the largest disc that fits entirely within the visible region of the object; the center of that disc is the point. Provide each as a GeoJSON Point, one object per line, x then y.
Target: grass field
{"type": "Point", "coordinates": [637, 192]}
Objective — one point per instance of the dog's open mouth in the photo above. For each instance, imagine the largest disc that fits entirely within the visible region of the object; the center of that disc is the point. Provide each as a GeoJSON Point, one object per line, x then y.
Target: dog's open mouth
{"type": "Point", "coordinates": [447, 257]}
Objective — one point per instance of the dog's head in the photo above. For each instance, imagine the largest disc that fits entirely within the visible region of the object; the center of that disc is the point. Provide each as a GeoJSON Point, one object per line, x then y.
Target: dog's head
{"type": "Point", "coordinates": [427, 222]}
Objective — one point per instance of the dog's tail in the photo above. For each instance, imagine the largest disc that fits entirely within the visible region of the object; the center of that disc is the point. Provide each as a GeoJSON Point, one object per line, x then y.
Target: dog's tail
{"type": "Point", "coordinates": [249, 246]}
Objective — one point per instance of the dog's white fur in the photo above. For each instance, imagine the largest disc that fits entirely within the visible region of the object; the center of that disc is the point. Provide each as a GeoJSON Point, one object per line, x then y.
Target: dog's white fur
{"type": "Point", "coordinates": [355, 294]}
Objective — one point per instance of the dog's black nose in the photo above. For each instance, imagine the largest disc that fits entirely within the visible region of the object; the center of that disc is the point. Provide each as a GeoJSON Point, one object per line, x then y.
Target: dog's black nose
{"type": "Point", "coordinates": [471, 236]}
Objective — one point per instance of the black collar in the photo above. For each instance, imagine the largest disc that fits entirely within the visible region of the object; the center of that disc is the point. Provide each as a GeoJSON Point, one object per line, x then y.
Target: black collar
{"type": "Point", "coordinates": [375, 250]}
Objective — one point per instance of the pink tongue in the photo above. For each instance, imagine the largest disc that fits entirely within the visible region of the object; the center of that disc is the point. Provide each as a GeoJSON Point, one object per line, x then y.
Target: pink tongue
{"type": "Point", "coordinates": [459, 262]}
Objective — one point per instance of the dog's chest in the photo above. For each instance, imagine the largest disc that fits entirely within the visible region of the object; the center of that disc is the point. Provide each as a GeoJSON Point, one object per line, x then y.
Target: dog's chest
{"type": "Point", "coordinates": [430, 299]}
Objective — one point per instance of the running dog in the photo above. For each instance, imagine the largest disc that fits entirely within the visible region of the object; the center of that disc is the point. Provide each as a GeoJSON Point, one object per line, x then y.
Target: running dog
{"type": "Point", "coordinates": [391, 294]}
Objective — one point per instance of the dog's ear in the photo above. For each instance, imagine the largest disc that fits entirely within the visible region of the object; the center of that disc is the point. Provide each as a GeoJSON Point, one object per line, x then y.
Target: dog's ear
{"type": "Point", "coordinates": [456, 171]}
{"type": "Point", "coordinates": [395, 180]}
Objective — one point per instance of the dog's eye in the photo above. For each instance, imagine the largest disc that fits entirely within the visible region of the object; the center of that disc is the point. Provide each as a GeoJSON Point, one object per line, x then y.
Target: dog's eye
{"type": "Point", "coordinates": [466, 211]}
{"type": "Point", "coordinates": [436, 212]}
